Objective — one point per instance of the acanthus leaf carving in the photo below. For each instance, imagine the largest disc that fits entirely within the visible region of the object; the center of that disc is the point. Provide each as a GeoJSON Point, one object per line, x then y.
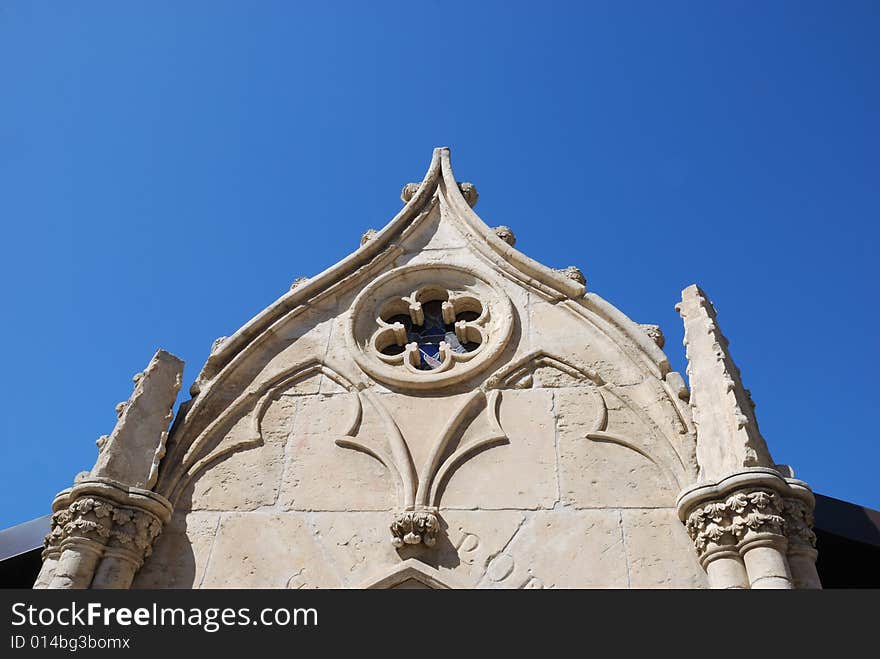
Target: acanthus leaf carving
{"type": "Point", "coordinates": [799, 523]}
{"type": "Point", "coordinates": [104, 522]}
{"type": "Point", "coordinates": [744, 511]}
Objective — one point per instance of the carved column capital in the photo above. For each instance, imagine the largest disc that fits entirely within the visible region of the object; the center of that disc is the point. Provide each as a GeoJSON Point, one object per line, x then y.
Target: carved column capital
{"type": "Point", "coordinates": [110, 522]}
{"type": "Point", "coordinates": [798, 515]}
{"type": "Point", "coordinates": [755, 509]}
{"type": "Point", "coordinates": [739, 517]}
{"type": "Point", "coordinates": [134, 530]}
{"type": "Point", "coordinates": [85, 520]}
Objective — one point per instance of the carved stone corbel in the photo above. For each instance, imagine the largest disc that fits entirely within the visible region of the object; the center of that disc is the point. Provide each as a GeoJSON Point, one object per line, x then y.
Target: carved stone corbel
{"type": "Point", "coordinates": [413, 527]}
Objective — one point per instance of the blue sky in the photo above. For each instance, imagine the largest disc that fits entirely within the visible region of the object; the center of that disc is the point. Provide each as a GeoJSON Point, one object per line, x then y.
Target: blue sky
{"type": "Point", "coordinates": [168, 168]}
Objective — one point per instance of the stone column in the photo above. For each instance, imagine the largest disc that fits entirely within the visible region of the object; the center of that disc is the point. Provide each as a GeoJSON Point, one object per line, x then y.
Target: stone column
{"type": "Point", "coordinates": [50, 560]}
{"type": "Point", "coordinates": [752, 529]}
{"type": "Point", "coordinates": [758, 523]}
{"type": "Point", "coordinates": [101, 533]}
{"type": "Point", "coordinates": [724, 567]}
{"type": "Point", "coordinates": [798, 513]}
{"type": "Point", "coordinates": [131, 542]}
{"type": "Point", "coordinates": [85, 525]}
{"type": "Point", "coordinates": [52, 542]}
{"type": "Point", "coordinates": [716, 545]}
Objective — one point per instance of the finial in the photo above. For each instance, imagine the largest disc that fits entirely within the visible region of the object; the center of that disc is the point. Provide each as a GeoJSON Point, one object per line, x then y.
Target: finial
{"type": "Point", "coordinates": [367, 236]}
{"type": "Point", "coordinates": [506, 234]}
{"type": "Point", "coordinates": [574, 273]}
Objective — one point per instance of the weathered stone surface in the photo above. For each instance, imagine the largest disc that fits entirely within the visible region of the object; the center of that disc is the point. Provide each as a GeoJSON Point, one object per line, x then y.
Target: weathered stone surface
{"type": "Point", "coordinates": [266, 550]}
{"type": "Point", "coordinates": [438, 410]}
{"type": "Point", "coordinates": [319, 474]}
{"type": "Point", "coordinates": [560, 331]}
{"type": "Point", "coordinates": [603, 474]}
{"type": "Point", "coordinates": [435, 235]}
{"type": "Point", "coordinates": [518, 474]}
{"type": "Point", "coordinates": [249, 478]}
{"type": "Point", "coordinates": [356, 544]}
{"type": "Point", "coordinates": [131, 453]}
{"type": "Point", "coordinates": [181, 553]}
{"type": "Point", "coordinates": [562, 549]}
{"type": "Point", "coordinates": [657, 549]}
{"type": "Point", "coordinates": [473, 538]}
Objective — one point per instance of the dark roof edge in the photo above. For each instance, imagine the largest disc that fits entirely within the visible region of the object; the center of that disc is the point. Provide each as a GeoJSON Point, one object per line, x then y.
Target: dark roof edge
{"type": "Point", "coordinates": [23, 538]}
{"type": "Point", "coordinates": [848, 520]}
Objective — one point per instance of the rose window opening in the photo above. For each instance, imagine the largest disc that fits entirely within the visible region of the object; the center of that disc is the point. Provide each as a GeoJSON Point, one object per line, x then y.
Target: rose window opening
{"type": "Point", "coordinates": [430, 330]}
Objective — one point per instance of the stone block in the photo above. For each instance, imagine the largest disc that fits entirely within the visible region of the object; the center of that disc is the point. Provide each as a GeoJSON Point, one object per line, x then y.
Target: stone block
{"type": "Point", "coordinates": [518, 474]}
{"type": "Point", "coordinates": [247, 478]}
{"type": "Point", "coordinates": [600, 474]}
{"type": "Point", "coordinates": [319, 474]}
{"type": "Point", "coordinates": [659, 552]}
{"type": "Point", "coordinates": [562, 549]}
{"type": "Point", "coordinates": [180, 553]}
{"type": "Point", "coordinates": [266, 550]}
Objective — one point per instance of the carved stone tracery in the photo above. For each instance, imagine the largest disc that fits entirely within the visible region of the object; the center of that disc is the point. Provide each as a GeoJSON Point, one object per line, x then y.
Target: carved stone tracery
{"type": "Point", "coordinates": [410, 328]}
{"type": "Point", "coordinates": [419, 491]}
{"type": "Point", "coordinates": [425, 326]}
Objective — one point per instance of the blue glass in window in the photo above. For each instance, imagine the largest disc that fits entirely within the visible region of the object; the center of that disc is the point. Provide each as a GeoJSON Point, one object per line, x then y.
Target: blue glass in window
{"type": "Point", "coordinates": [429, 334]}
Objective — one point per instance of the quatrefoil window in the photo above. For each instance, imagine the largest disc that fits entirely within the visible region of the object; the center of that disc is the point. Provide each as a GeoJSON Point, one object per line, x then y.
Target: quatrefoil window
{"type": "Point", "coordinates": [430, 330]}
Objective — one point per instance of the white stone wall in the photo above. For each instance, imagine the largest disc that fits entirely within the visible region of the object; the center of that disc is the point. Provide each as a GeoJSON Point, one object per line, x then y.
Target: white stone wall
{"type": "Point", "coordinates": [549, 506]}
{"type": "Point", "coordinates": [548, 444]}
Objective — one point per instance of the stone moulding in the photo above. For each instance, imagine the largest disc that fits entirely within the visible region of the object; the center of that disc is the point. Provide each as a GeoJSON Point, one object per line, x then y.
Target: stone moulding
{"type": "Point", "coordinates": [662, 453]}
{"type": "Point", "coordinates": [409, 570]}
{"type": "Point", "coordinates": [418, 492]}
{"type": "Point", "coordinates": [752, 529]}
{"type": "Point", "coordinates": [254, 400]}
